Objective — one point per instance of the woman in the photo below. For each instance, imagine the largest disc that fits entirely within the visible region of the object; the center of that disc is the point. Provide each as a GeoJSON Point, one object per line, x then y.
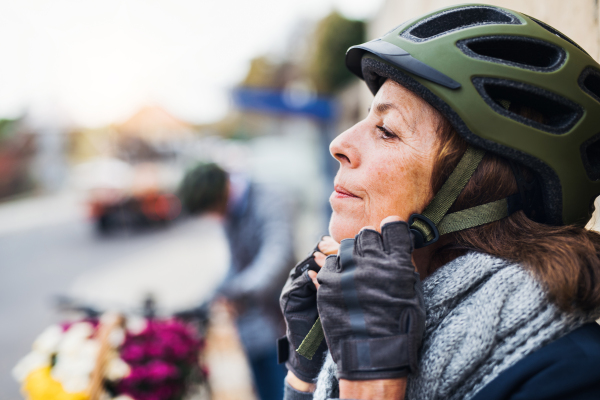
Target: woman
{"type": "Point", "coordinates": [483, 137]}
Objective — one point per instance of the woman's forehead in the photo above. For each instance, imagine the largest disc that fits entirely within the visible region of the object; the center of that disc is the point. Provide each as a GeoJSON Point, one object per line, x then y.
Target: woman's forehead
{"type": "Point", "coordinates": [393, 92]}
{"type": "Point", "coordinates": [396, 98]}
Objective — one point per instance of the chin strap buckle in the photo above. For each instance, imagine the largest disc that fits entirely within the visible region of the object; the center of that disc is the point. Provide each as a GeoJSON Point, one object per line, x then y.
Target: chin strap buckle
{"type": "Point", "coordinates": [424, 226]}
{"type": "Point", "coordinates": [423, 229]}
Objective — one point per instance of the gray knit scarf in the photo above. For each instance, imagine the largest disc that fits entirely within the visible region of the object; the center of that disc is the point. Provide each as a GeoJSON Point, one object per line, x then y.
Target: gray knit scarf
{"type": "Point", "coordinates": [483, 315]}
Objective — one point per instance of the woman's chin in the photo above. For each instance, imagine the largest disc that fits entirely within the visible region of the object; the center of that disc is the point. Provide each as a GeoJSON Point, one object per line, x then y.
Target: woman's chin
{"type": "Point", "coordinates": [342, 228]}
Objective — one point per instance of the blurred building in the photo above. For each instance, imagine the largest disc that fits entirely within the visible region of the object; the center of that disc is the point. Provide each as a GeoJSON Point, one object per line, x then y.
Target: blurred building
{"type": "Point", "coordinates": [32, 156]}
{"type": "Point", "coordinates": [150, 134]}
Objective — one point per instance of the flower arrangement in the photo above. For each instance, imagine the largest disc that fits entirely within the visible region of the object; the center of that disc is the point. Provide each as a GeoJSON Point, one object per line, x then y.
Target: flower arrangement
{"type": "Point", "coordinates": [149, 359]}
{"type": "Point", "coordinates": [163, 358]}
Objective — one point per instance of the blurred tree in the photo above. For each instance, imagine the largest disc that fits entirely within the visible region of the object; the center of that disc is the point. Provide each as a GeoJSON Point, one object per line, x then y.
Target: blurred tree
{"type": "Point", "coordinates": [313, 60]}
{"type": "Point", "coordinates": [261, 72]}
{"type": "Point", "coordinates": [324, 65]}
{"type": "Point", "coordinates": [17, 148]}
{"type": "Point", "coordinates": [266, 72]}
{"type": "Point", "coordinates": [333, 36]}
{"type": "Point", "coordinates": [7, 128]}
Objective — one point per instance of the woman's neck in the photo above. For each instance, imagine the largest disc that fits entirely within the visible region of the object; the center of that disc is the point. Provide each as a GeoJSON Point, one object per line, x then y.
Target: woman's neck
{"type": "Point", "coordinates": [425, 259]}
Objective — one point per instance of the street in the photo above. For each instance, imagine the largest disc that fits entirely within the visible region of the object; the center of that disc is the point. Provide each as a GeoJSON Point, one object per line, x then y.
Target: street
{"type": "Point", "coordinates": [48, 248]}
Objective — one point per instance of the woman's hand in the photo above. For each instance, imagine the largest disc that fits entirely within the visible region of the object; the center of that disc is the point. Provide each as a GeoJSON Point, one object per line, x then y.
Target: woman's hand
{"type": "Point", "coordinates": [327, 246]}
{"type": "Point", "coordinates": [371, 308]}
{"type": "Point", "coordinates": [299, 307]}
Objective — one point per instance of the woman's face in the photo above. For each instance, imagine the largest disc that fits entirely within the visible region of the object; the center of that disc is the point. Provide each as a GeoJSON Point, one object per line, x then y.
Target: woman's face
{"type": "Point", "coordinates": [386, 162]}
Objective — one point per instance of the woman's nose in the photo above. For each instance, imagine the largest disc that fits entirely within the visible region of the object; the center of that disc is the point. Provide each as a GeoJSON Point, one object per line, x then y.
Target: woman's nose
{"type": "Point", "coordinates": [344, 149]}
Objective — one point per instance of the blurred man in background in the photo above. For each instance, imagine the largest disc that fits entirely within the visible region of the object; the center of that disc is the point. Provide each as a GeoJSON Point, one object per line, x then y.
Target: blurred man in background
{"type": "Point", "coordinates": [258, 226]}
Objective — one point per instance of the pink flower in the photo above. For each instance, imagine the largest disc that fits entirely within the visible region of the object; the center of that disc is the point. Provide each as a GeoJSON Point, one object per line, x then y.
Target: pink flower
{"type": "Point", "coordinates": [162, 358]}
{"type": "Point", "coordinates": [159, 370]}
{"type": "Point", "coordinates": [138, 373]}
{"type": "Point", "coordinates": [132, 353]}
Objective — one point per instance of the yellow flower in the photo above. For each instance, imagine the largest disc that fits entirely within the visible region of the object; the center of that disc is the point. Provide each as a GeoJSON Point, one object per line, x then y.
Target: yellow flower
{"type": "Point", "coordinates": [39, 385]}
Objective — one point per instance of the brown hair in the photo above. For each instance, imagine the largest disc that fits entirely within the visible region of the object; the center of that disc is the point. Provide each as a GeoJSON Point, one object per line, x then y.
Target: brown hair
{"type": "Point", "coordinates": [563, 258]}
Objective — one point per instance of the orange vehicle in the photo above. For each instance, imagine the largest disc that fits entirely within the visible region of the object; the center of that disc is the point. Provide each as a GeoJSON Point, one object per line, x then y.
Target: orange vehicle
{"type": "Point", "coordinates": [123, 196]}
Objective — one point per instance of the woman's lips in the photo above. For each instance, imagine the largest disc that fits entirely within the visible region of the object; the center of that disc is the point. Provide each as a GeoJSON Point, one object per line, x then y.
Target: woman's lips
{"type": "Point", "coordinates": [342, 193]}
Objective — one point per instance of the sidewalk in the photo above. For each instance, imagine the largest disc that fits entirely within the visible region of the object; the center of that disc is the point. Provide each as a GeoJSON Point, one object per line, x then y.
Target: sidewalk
{"type": "Point", "coordinates": [180, 271]}
{"type": "Point", "coordinates": [40, 211]}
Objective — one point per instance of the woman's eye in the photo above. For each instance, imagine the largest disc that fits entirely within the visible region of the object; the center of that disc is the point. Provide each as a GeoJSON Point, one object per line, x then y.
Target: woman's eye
{"type": "Point", "coordinates": [386, 134]}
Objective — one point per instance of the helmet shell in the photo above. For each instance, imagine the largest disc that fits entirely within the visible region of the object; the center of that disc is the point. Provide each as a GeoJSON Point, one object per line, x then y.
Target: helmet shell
{"type": "Point", "coordinates": [494, 56]}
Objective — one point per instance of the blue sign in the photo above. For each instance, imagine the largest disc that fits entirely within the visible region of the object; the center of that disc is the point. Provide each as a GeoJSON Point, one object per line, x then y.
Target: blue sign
{"type": "Point", "coordinates": [284, 102]}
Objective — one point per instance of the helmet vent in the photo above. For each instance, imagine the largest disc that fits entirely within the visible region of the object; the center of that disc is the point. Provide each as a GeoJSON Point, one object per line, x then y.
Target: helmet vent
{"type": "Point", "coordinates": [517, 51]}
{"type": "Point", "coordinates": [457, 19]}
{"type": "Point", "coordinates": [590, 154]}
{"type": "Point", "coordinates": [589, 80]}
{"type": "Point", "coordinates": [557, 33]}
{"type": "Point", "coordinates": [549, 112]}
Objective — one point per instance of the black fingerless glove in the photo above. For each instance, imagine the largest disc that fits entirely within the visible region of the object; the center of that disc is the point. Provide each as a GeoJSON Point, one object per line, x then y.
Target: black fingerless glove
{"type": "Point", "coordinates": [298, 303]}
{"type": "Point", "coordinates": [371, 305]}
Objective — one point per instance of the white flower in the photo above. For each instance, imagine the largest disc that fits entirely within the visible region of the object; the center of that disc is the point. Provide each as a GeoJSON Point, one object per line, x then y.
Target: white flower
{"type": "Point", "coordinates": [48, 341]}
{"type": "Point", "coordinates": [76, 361]}
{"type": "Point", "coordinates": [123, 397]}
{"type": "Point", "coordinates": [29, 363]}
{"type": "Point", "coordinates": [74, 338]}
{"type": "Point", "coordinates": [81, 330]}
{"type": "Point", "coordinates": [74, 364]}
{"type": "Point", "coordinates": [116, 337]}
{"type": "Point", "coordinates": [73, 373]}
{"type": "Point", "coordinates": [136, 325]}
{"type": "Point", "coordinates": [116, 369]}
{"type": "Point", "coordinates": [110, 318]}
{"type": "Point", "coordinates": [74, 384]}
{"type": "Point", "coordinates": [88, 350]}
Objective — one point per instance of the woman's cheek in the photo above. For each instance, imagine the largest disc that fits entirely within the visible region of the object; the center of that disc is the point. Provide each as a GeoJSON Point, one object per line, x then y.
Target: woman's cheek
{"type": "Point", "coordinates": [386, 191]}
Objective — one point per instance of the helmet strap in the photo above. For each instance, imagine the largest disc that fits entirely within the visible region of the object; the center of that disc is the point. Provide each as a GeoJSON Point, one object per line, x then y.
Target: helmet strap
{"type": "Point", "coordinates": [434, 221]}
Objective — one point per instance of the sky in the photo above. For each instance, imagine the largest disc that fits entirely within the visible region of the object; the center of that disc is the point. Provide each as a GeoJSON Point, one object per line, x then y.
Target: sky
{"type": "Point", "coordinates": [91, 63]}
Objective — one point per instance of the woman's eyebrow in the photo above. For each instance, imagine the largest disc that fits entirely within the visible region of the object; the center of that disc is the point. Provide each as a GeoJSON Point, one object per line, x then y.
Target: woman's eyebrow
{"type": "Point", "coordinates": [383, 107]}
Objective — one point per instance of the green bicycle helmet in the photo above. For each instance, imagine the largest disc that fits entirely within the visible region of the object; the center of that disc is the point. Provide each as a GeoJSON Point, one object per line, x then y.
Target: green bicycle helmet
{"type": "Point", "coordinates": [471, 62]}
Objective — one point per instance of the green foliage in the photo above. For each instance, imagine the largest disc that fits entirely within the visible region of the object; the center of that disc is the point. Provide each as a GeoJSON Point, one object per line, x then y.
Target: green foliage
{"type": "Point", "coordinates": [333, 36]}
{"type": "Point", "coordinates": [7, 128]}
{"type": "Point", "coordinates": [267, 73]}
{"type": "Point", "coordinates": [324, 63]}
{"type": "Point", "coordinates": [261, 72]}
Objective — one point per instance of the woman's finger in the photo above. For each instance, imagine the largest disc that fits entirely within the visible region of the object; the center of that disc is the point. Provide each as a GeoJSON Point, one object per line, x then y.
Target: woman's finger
{"type": "Point", "coordinates": [313, 276]}
{"type": "Point", "coordinates": [391, 218]}
{"type": "Point", "coordinates": [396, 235]}
{"type": "Point", "coordinates": [320, 258]}
{"type": "Point", "coordinates": [328, 246]}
